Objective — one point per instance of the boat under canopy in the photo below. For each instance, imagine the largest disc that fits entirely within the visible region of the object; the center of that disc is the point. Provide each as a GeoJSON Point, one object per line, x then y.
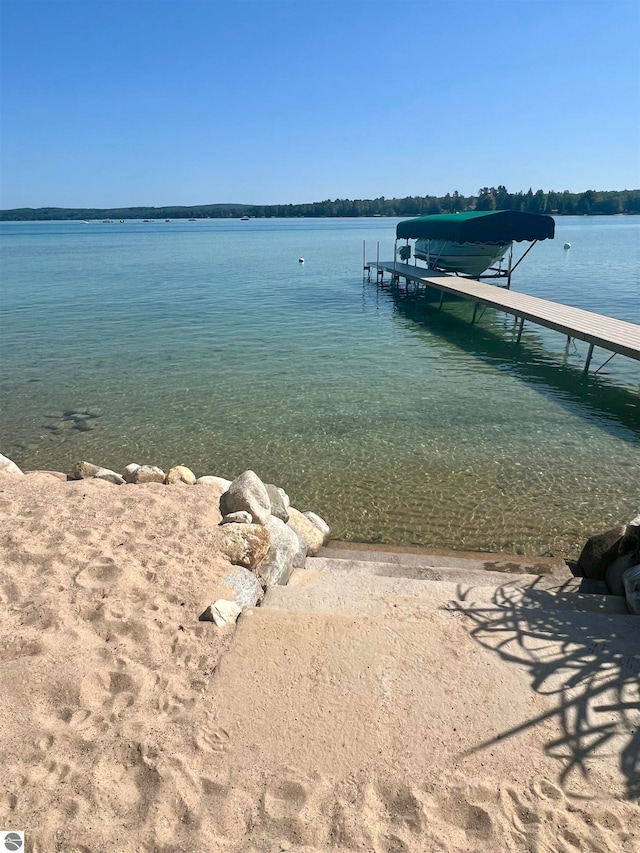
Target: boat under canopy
{"type": "Point", "coordinates": [479, 226]}
{"type": "Point", "coordinates": [472, 243]}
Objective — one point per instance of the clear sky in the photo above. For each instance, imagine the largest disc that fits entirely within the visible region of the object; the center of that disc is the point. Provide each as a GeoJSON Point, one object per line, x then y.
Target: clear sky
{"type": "Point", "coordinates": [158, 102]}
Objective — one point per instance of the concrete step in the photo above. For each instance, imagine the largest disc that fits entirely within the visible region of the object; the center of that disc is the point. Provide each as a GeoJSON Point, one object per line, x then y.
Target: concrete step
{"type": "Point", "coordinates": [466, 573]}
{"type": "Point", "coordinates": [416, 558]}
{"type": "Point", "coordinates": [358, 592]}
{"type": "Point", "coordinates": [453, 565]}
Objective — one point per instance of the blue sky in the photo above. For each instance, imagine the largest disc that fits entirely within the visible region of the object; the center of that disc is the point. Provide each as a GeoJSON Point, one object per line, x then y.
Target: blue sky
{"type": "Point", "coordinates": [154, 102]}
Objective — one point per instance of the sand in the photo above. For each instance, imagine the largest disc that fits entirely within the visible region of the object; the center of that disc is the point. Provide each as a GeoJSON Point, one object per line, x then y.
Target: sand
{"type": "Point", "coordinates": [128, 725]}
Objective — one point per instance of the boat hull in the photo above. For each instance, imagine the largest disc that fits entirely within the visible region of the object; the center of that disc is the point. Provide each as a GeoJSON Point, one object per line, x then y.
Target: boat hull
{"type": "Point", "coordinates": [467, 258]}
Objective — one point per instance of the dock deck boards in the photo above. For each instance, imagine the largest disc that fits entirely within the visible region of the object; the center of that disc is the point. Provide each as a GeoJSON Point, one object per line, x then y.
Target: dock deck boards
{"type": "Point", "coordinates": [618, 336]}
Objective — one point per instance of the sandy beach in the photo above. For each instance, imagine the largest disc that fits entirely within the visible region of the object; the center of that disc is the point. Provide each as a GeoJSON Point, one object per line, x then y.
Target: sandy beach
{"type": "Point", "coordinates": [460, 718]}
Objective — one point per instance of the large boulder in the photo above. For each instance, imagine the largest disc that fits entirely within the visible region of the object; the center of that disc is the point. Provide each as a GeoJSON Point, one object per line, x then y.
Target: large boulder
{"type": "Point", "coordinates": [307, 529]}
{"type": "Point", "coordinates": [245, 544]}
{"type": "Point", "coordinates": [241, 588]}
{"type": "Point", "coordinates": [279, 500]}
{"type": "Point", "coordinates": [247, 492]}
{"type": "Point", "coordinates": [631, 583]}
{"type": "Point", "coordinates": [600, 551]}
{"type": "Point", "coordinates": [277, 566]}
{"type": "Point", "coordinates": [7, 466]}
{"type": "Point", "coordinates": [180, 474]}
{"type": "Point", "coordinates": [631, 540]}
{"type": "Point", "coordinates": [146, 474]}
{"type": "Point", "coordinates": [300, 557]}
{"type": "Point", "coordinates": [616, 571]}
{"type": "Point", "coordinates": [321, 524]}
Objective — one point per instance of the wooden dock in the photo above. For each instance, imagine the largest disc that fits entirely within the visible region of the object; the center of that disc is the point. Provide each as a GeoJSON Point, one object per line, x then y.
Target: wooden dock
{"type": "Point", "coordinates": [598, 330]}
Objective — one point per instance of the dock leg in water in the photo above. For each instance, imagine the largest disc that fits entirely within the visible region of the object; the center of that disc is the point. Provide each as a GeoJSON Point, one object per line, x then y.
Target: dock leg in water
{"type": "Point", "coordinates": [588, 361]}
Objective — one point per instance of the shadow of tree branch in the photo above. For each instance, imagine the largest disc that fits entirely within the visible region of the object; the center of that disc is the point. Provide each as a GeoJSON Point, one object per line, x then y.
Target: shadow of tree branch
{"type": "Point", "coordinates": [576, 649]}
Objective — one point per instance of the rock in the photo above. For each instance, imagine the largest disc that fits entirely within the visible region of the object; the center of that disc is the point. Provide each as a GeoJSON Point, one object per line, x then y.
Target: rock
{"type": "Point", "coordinates": [631, 583]}
{"type": "Point", "coordinates": [57, 474]}
{"type": "Point", "coordinates": [631, 540]}
{"type": "Point", "coordinates": [109, 476]}
{"type": "Point", "coordinates": [146, 474]}
{"type": "Point", "coordinates": [84, 425]}
{"type": "Point", "coordinates": [180, 474]}
{"type": "Point", "coordinates": [301, 554]}
{"type": "Point", "coordinates": [276, 568]}
{"type": "Point", "coordinates": [279, 501]}
{"type": "Point", "coordinates": [616, 570]}
{"type": "Point", "coordinates": [221, 612]}
{"type": "Point", "coordinates": [128, 471]}
{"type": "Point", "coordinates": [214, 481]}
{"type": "Point", "coordinates": [241, 517]}
{"type": "Point", "coordinates": [84, 470]}
{"type": "Point", "coordinates": [247, 492]}
{"type": "Point", "coordinates": [245, 544]}
{"type": "Point", "coordinates": [600, 551]}
{"type": "Point", "coordinates": [321, 524]}
{"type": "Point", "coordinates": [244, 586]}
{"type": "Point", "coordinates": [7, 466]}
{"type": "Point", "coordinates": [307, 529]}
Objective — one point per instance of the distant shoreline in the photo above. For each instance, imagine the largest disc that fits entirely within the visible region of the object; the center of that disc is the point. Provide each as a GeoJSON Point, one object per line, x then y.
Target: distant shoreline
{"type": "Point", "coordinates": [589, 203]}
{"type": "Point", "coordinates": [99, 221]}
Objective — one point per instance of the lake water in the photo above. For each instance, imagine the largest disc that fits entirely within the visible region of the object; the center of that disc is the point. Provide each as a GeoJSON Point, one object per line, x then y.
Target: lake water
{"type": "Point", "coordinates": [207, 343]}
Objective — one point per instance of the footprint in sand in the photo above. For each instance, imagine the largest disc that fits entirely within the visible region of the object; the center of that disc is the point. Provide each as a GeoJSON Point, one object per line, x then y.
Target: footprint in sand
{"type": "Point", "coordinates": [211, 739]}
{"type": "Point", "coordinates": [284, 798]}
{"type": "Point", "coordinates": [403, 808]}
{"type": "Point", "coordinates": [473, 819]}
{"type": "Point", "coordinates": [104, 572]}
{"type": "Point", "coordinates": [392, 844]}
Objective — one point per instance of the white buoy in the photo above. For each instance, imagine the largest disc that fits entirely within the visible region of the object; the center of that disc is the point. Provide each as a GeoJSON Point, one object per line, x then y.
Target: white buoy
{"type": "Point", "coordinates": [300, 260]}
{"type": "Point", "coordinates": [567, 245]}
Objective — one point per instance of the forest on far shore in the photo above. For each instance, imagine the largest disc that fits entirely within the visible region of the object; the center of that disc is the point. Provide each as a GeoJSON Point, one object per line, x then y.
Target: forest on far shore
{"type": "Point", "coordinates": [590, 203]}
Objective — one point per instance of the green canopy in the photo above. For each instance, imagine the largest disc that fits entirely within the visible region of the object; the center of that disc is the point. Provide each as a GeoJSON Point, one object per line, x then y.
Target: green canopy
{"type": "Point", "coordinates": [480, 226]}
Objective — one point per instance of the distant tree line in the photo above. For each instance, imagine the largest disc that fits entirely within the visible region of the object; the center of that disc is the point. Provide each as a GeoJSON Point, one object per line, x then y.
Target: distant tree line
{"type": "Point", "coordinates": [590, 202]}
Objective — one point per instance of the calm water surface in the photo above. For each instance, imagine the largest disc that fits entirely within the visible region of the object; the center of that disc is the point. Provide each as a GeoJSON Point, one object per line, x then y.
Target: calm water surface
{"type": "Point", "coordinates": [208, 343]}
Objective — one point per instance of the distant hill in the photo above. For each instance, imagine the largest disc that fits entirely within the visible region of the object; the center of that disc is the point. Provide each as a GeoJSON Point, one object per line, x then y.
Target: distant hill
{"type": "Point", "coordinates": [488, 198]}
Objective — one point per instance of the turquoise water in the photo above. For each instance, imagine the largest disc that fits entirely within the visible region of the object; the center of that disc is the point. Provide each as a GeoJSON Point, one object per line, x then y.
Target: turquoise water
{"type": "Point", "coordinates": [207, 343]}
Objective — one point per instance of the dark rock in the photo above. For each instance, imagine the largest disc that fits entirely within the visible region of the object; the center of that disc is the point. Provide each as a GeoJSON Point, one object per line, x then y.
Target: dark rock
{"type": "Point", "coordinates": [600, 551]}
{"type": "Point", "coordinates": [616, 570]}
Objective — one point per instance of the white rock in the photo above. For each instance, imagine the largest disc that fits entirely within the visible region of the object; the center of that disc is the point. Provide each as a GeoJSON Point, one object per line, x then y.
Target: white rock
{"type": "Point", "coordinates": [7, 466]}
{"type": "Point", "coordinates": [109, 476]}
{"type": "Point", "coordinates": [129, 470]}
{"type": "Point", "coordinates": [147, 474]}
{"type": "Point", "coordinates": [321, 524]}
{"type": "Point", "coordinates": [214, 481]}
{"type": "Point", "coordinates": [242, 517]}
{"type": "Point", "coordinates": [221, 612]}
